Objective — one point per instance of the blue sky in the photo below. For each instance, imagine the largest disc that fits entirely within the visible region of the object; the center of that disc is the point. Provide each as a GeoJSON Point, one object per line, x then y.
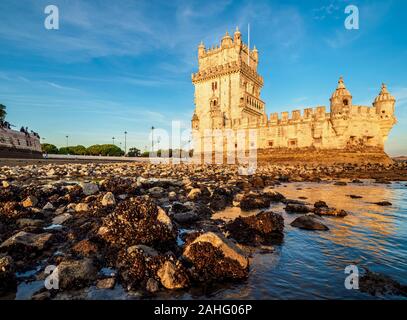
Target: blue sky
{"type": "Point", "coordinates": [126, 65]}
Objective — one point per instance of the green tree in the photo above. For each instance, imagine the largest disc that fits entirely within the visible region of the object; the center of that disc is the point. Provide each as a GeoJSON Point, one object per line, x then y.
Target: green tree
{"type": "Point", "coordinates": [74, 150]}
{"type": "Point", "coordinates": [134, 152]}
{"type": "Point", "coordinates": [104, 150]}
{"type": "Point", "coordinates": [49, 148]}
{"type": "Point", "coordinates": [3, 112]}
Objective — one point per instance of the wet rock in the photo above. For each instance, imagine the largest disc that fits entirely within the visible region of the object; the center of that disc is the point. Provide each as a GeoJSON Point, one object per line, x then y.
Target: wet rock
{"type": "Point", "coordinates": [74, 274]}
{"type": "Point", "coordinates": [261, 229]}
{"type": "Point", "coordinates": [173, 276]}
{"type": "Point", "coordinates": [82, 207]}
{"type": "Point", "coordinates": [137, 264]}
{"type": "Point", "coordinates": [108, 200]}
{"type": "Point", "coordinates": [297, 208]}
{"type": "Point", "coordinates": [194, 194]}
{"type": "Point", "coordinates": [138, 221]}
{"type": "Point", "coordinates": [107, 283]}
{"type": "Point", "coordinates": [24, 242]}
{"type": "Point", "coordinates": [320, 204]}
{"type": "Point", "coordinates": [156, 192]}
{"type": "Point", "coordinates": [5, 184]}
{"type": "Point", "coordinates": [340, 183]}
{"type": "Point", "coordinates": [152, 285]}
{"type": "Point", "coordinates": [383, 203]}
{"type": "Point", "coordinates": [220, 199]}
{"type": "Point", "coordinates": [378, 284]}
{"type": "Point", "coordinates": [308, 223]}
{"type": "Point", "coordinates": [257, 182]}
{"type": "Point", "coordinates": [324, 211]}
{"type": "Point", "coordinates": [178, 207]}
{"type": "Point", "coordinates": [8, 282]}
{"type": "Point", "coordinates": [62, 218]}
{"type": "Point", "coordinates": [41, 296]}
{"type": "Point", "coordinates": [89, 188]}
{"type": "Point", "coordinates": [24, 222]}
{"type": "Point", "coordinates": [253, 201]}
{"type": "Point", "coordinates": [353, 196]}
{"type": "Point", "coordinates": [29, 202]}
{"type": "Point", "coordinates": [172, 196]}
{"type": "Point", "coordinates": [274, 196]}
{"type": "Point", "coordinates": [48, 207]}
{"type": "Point", "coordinates": [215, 258]}
{"type": "Point", "coordinates": [186, 217]}
{"type": "Point", "coordinates": [85, 248]}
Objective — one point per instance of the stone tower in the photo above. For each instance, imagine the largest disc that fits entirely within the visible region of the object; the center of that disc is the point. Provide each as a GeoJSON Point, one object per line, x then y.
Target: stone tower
{"type": "Point", "coordinates": [227, 85]}
{"type": "Point", "coordinates": [341, 99]}
{"type": "Point", "coordinates": [384, 104]}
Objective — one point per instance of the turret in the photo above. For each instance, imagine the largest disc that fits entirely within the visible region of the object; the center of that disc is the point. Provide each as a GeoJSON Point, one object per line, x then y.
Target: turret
{"type": "Point", "coordinates": [201, 50]}
{"type": "Point", "coordinates": [255, 54]}
{"type": "Point", "coordinates": [237, 38]}
{"type": "Point", "coordinates": [384, 104]}
{"type": "Point", "coordinates": [341, 99]}
{"type": "Point", "coordinates": [226, 40]}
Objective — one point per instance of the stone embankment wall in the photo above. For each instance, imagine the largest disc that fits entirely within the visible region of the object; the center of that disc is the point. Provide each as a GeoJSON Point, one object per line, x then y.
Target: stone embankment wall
{"type": "Point", "coordinates": [15, 144]}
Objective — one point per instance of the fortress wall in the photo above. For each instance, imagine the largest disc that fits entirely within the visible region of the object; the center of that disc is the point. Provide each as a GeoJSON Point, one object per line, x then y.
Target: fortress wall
{"type": "Point", "coordinates": [297, 115]}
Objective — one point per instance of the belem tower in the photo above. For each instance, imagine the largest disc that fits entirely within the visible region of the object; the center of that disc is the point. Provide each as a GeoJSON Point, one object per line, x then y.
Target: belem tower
{"type": "Point", "coordinates": [227, 99]}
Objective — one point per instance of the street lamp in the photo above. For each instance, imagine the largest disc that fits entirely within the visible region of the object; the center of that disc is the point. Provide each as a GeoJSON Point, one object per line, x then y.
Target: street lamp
{"type": "Point", "coordinates": [152, 139]}
{"type": "Point", "coordinates": [67, 137]}
{"type": "Point", "coordinates": [125, 142]}
{"type": "Point", "coordinates": [113, 140]}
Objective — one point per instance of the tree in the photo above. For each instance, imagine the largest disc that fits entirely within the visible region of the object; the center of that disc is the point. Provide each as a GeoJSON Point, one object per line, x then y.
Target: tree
{"type": "Point", "coordinates": [134, 152]}
{"type": "Point", "coordinates": [104, 150]}
{"type": "Point", "coordinates": [49, 148]}
{"type": "Point", "coordinates": [78, 150]}
{"type": "Point", "coordinates": [3, 112]}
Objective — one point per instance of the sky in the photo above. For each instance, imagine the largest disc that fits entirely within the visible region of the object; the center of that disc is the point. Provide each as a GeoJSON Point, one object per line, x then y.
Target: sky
{"type": "Point", "coordinates": [126, 65]}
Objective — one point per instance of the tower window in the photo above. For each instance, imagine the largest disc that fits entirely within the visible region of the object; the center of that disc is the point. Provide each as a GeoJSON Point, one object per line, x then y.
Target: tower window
{"type": "Point", "coordinates": [345, 102]}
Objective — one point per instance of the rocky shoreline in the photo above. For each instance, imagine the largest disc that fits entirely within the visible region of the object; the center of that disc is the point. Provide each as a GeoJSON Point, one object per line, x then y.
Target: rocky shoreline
{"type": "Point", "coordinates": [152, 225]}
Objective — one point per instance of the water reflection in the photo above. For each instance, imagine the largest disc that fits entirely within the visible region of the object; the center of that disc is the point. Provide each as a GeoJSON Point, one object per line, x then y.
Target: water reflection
{"type": "Point", "coordinates": [310, 265]}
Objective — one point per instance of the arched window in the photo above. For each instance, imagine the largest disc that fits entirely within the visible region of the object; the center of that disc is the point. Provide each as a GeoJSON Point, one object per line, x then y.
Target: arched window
{"type": "Point", "coordinates": [345, 102]}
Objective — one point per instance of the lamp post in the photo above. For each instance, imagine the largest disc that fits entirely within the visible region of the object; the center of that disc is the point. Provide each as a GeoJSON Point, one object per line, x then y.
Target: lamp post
{"type": "Point", "coordinates": [67, 137]}
{"type": "Point", "coordinates": [113, 140]}
{"type": "Point", "coordinates": [125, 142]}
{"type": "Point", "coordinates": [152, 139]}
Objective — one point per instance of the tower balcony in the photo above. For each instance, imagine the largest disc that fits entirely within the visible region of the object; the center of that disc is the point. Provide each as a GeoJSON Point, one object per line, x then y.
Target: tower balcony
{"type": "Point", "coordinates": [250, 103]}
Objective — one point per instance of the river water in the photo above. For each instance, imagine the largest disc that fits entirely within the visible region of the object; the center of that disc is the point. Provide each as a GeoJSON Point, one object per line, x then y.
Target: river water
{"type": "Point", "coordinates": [311, 264]}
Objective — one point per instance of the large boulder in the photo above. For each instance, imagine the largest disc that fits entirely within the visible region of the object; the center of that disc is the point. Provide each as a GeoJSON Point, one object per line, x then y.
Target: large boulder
{"type": "Point", "coordinates": [139, 264]}
{"type": "Point", "coordinates": [74, 274]}
{"type": "Point", "coordinates": [308, 222]}
{"type": "Point", "coordinates": [326, 211]}
{"type": "Point", "coordinates": [297, 208]}
{"type": "Point", "coordinates": [23, 243]}
{"type": "Point", "coordinates": [138, 221]}
{"type": "Point", "coordinates": [378, 284]}
{"type": "Point", "coordinates": [263, 228]}
{"type": "Point", "coordinates": [254, 201]}
{"type": "Point", "coordinates": [215, 258]}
